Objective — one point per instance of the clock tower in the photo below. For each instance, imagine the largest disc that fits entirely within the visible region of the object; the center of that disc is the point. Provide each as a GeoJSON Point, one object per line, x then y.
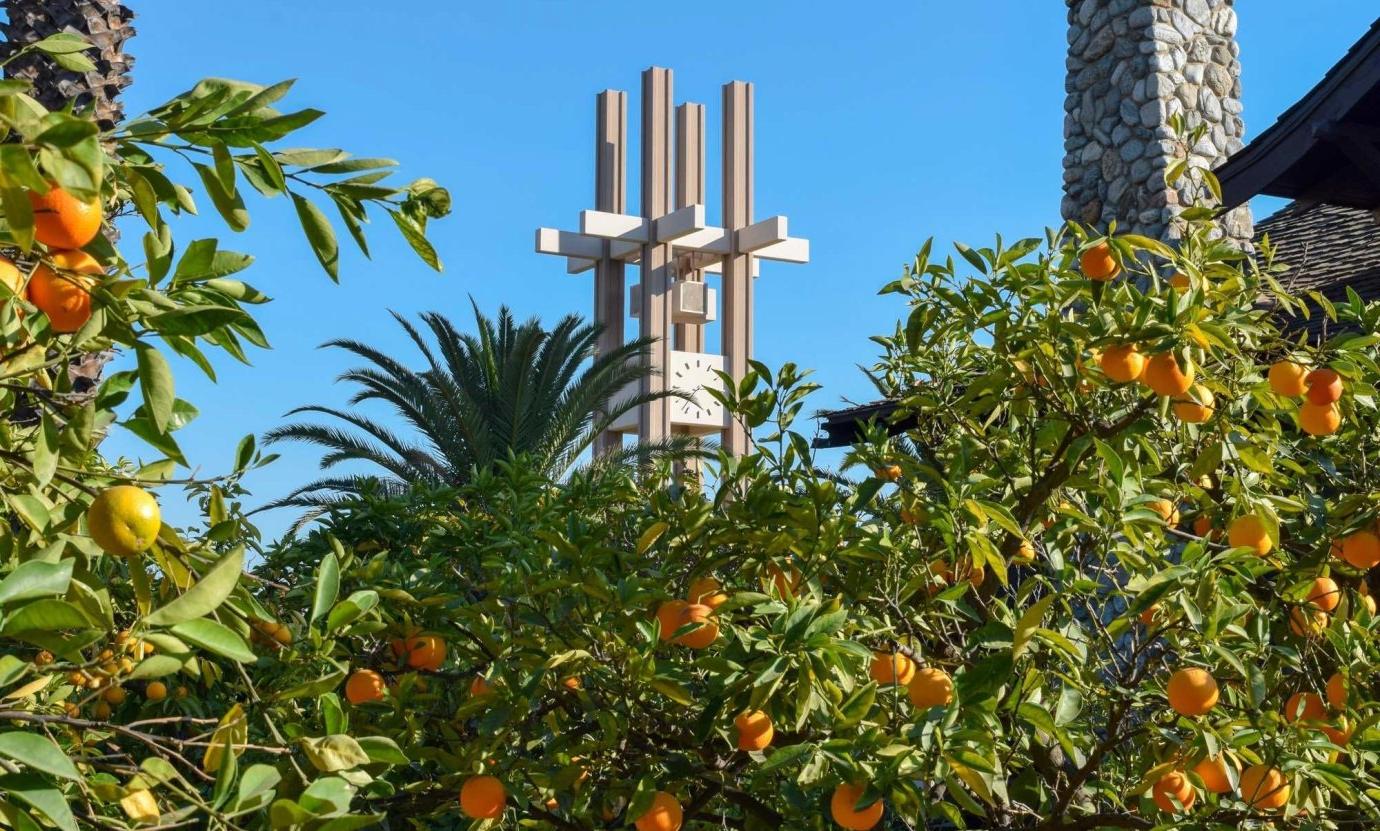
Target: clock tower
{"type": "Point", "coordinates": [676, 251]}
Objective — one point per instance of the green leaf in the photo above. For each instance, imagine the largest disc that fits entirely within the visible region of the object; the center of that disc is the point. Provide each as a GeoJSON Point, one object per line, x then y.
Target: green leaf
{"type": "Point", "coordinates": [207, 594]}
{"type": "Point", "coordinates": [46, 616]}
{"type": "Point", "coordinates": [327, 586]}
{"type": "Point", "coordinates": [417, 239]}
{"type": "Point", "coordinates": [230, 205]}
{"type": "Point", "coordinates": [1029, 622]}
{"type": "Point", "coordinates": [319, 235]}
{"type": "Point", "coordinates": [38, 752]}
{"type": "Point", "coordinates": [217, 637]}
{"type": "Point", "coordinates": [156, 666]}
{"type": "Point", "coordinates": [351, 609]}
{"type": "Point", "coordinates": [36, 792]}
{"type": "Point", "coordinates": [383, 750]}
{"type": "Point", "coordinates": [156, 380]}
{"type": "Point", "coordinates": [35, 579]}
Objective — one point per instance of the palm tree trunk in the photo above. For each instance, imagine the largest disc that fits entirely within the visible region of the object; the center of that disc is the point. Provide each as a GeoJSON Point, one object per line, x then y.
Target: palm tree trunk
{"type": "Point", "coordinates": [106, 24]}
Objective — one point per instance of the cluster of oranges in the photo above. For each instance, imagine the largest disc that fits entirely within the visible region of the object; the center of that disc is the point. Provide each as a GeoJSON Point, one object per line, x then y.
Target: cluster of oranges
{"type": "Point", "coordinates": [706, 595]}
{"type": "Point", "coordinates": [425, 653]}
{"type": "Point", "coordinates": [1321, 389]}
{"type": "Point", "coordinates": [60, 285]}
{"type": "Point", "coordinates": [103, 676]}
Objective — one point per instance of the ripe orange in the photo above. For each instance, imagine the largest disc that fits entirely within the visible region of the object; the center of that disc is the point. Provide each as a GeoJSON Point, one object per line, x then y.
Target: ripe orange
{"type": "Point", "coordinates": [1336, 691]}
{"type": "Point", "coordinates": [1361, 549]}
{"type": "Point", "coordinates": [364, 685]}
{"type": "Point", "coordinates": [63, 221]}
{"type": "Point", "coordinates": [1249, 532]}
{"type": "Point", "coordinates": [426, 652]}
{"type": "Point", "coordinates": [64, 295]}
{"type": "Point", "coordinates": [1202, 526]}
{"type": "Point", "coordinates": [124, 520]}
{"type": "Point", "coordinates": [10, 276]}
{"type": "Point", "coordinates": [156, 691]}
{"type": "Point", "coordinates": [1366, 599]}
{"type": "Point", "coordinates": [755, 730]}
{"type": "Point", "coordinates": [1308, 706]}
{"type": "Point", "coordinates": [1174, 785]}
{"type": "Point", "coordinates": [1147, 617]}
{"type": "Point", "coordinates": [668, 615]}
{"type": "Point", "coordinates": [1165, 377]}
{"type": "Point", "coordinates": [707, 631]}
{"type": "Point", "coordinates": [1192, 691]}
{"type": "Point", "coordinates": [890, 473]}
{"type": "Point", "coordinates": [1122, 363]}
{"type": "Point", "coordinates": [572, 683]}
{"type": "Point", "coordinates": [482, 797]}
{"type": "Point", "coordinates": [1167, 510]}
{"type": "Point", "coordinates": [1319, 419]}
{"type": "Point", "coordinates": [114, 695]}
{"type": "Point", "coordinates": [1305, 623]}
{"type": "Point", "coordinates": [1099, 263]}
{"type": "Point", "coordinates": [843, 806]}
{"type": "Point", "coordinates": [930, 687]}
{"type": "Point", "coordinates": [1324, 594]}
{"type": "Point", "coordinates": [891, 668]}
{"type": "Point", "coordinates": [101, 712]}
{"type": "Point", "coordinates": [1195, 406]}
{"type": "Point", "coordinates": [1264, 787]}
{"type": "Point", "coordinates": [1339, 734]}
{"type": "Point", "coordinates": [1214, 773]}
{"type": "Point", "coordinates": [1180, 281]}
{"type": "Point", "coordinates": [786, 582]}
{"type": "Point", "coordinates": [708, 592]}
{"type": "Point", "coordinates": [1025, 553]}
{"type": "Point", "coordinates": [1324, 386]}
{"type": "Point", "coordinates": [664, 815]}
{"type": "Point", "coordinates": [480, 686]}
{"type": "Point", "coordinates": [1288, 378]}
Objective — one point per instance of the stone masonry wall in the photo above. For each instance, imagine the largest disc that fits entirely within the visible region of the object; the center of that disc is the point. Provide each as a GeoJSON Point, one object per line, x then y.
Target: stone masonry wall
{"type": "Point", "coordinates": [1131, 65]}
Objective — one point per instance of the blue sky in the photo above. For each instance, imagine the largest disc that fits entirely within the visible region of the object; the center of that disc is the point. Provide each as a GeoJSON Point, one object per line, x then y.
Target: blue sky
{"type": "Point", "coordinates": [875, 129]}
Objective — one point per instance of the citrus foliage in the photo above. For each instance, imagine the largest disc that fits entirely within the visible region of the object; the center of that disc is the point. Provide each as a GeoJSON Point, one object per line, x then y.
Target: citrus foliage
{"type": "Point", "coordinates": [109, 618]}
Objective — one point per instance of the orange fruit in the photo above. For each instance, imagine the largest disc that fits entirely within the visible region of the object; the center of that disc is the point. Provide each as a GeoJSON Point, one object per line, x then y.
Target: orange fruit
{"type": "Point", "coordinates": [668, 615]}
{"type": "Point", "coordinates": [1366, 599]}
{"type": "Point", "coordinates": [664, 814]}
{"type": "Point", "coordinates": [755, 730]}
{"type": "Point", "coordinates": [1308, 706]}
{"type": "Point", "coordinates": [890, 473]}
{"type": "Point", "coordinates": [1098, 263]}
{"type": "Point", "coordinates": [124, 520]}
{"type": "Point", "coordinates": [843, 806]}
{"type": "Point", "coordinates": [708, 592]}
{"type": "Point", "coordinates": [1324, 386]}
{"type": "Point", "coordinates": [480, 686]}
{"type": "Point", "coordinates": [1192, 691]}
{"type": "Point", "coordinates": [1336, 691]}
{"type": "Point", "coordinates": [1339, 734]}
{"type": "Point", "coordinates": [1306, 623]}
{"type": "Point", "coordinates": [1288, 379]}
{"type": "Point", "coordinates": [891, 668]}
{"type": "Point", "coordinates": [1202, 526]}
{"type": "Point", "coordinates": [786, 582]}
{"type": "Point", "coordinates": [114, 695]}
{"type": "Point", "coordinates": [482, 797]}
{"type": "Point", "coordinates": [1361, 549]}
{"type": "Point", "coordinates": [1147, 617]}
{"type": "Point", "coordinates": [1195, 406]}
{"type": "Point", "coordinates": [64, 294]}
{"type": "Point", "coordinates": [10, 276]}
{"type": "Point", "coordinates": [101, 712]}
{"type": "Point", "coordinates": [1174, 785]}
{"type": "Point", "coordinates": [930, 687]}
{"type": "Point", "coordinates": [426, 652]}
{"type": "Point", "coordinates": [1164, 375]}
{"type": "Point", "coordinates": [1214, 773]}
{"type": "Point", "coordinates": [1180, 281]}
{"type": "Point", "coordinates": [1167, 510]}
{"type": "Point", "coordinates": [1122, 363]}
{"type": "Point", "coordinates": [1025, 553]}
{"type": "Point", "coordinates": [1324, 594]}
{"type": "Point", "coordinates": [1264, 787]}
{"type": "Point", "coordinates": [572, 683]}
{"type": "Point", "coordinates": [707, 631]}
{"type": "Point", "coordinates": [156, 691]}
{"type": "Point", "coordinates": [1249, 532]}
{"type": "Point", "coordinates": [364, 685]}
{"type": "Point", "coordinates": [1319, 419]}
{"type": "Point", "coordinates": [63, 221]}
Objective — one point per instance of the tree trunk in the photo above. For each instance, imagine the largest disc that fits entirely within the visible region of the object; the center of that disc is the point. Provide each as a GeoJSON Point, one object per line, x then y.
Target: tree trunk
{"type": "Point", "coordinates": [105, 23]}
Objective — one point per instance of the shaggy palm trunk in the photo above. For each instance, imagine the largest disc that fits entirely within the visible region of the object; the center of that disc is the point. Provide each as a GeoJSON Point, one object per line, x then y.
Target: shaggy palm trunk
{"type": "Point", "coordinates": [106, 24]}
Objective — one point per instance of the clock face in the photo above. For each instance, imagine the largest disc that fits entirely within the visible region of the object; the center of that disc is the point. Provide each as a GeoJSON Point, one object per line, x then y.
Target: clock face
{"type": "Point", "coordinates": [691, 372]}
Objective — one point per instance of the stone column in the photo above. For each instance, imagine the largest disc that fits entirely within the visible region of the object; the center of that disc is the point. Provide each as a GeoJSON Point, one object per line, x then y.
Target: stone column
{"type": "Point", "coordinates": [1133, 64]}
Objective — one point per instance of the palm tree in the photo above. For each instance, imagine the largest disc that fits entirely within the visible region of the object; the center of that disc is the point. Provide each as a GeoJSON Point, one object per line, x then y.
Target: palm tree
{"type": "Point", "coordinates": [510, 390]}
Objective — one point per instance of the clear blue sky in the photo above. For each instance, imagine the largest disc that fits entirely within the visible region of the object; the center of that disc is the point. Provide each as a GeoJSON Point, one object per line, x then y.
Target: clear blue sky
{"type": "Point", "coordinates": [875, 129]}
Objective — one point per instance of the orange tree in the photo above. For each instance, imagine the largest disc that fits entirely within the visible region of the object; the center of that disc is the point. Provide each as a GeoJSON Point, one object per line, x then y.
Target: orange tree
{"type": "Point", "coordinates": [1113, 578]}
{"type": "Point", "coordinates": [120, 637]}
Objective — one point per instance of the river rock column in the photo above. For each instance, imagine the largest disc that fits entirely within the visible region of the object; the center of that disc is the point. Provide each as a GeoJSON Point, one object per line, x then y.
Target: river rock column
{"type": "Point", "coordinates": [1132, 64]}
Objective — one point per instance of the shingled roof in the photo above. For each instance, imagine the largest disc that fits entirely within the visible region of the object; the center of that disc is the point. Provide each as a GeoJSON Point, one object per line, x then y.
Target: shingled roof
{"type": "Point", "coordinates": [1328, 248]}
